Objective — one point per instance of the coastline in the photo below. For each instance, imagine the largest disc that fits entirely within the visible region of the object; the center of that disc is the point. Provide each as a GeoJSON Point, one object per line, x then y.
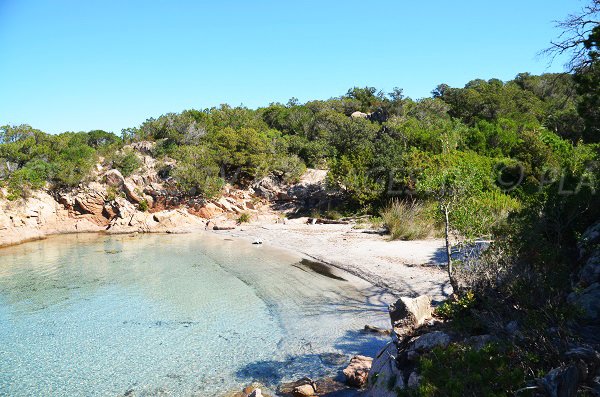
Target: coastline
{"type": "Point", "coordinates": [403, 268]}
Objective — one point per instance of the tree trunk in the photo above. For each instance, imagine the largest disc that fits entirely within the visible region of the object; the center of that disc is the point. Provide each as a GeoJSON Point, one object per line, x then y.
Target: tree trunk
{"type": "Point", "coordinates": [453, 282]}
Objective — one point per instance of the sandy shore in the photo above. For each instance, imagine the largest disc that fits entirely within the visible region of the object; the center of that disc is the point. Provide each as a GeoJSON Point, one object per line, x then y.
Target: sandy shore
{"type": "Point", "coordinates": [406, 268]}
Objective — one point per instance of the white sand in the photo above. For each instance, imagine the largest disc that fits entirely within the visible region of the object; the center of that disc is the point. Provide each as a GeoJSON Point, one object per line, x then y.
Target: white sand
{"type": "Point", "coordinates": [404, 268]}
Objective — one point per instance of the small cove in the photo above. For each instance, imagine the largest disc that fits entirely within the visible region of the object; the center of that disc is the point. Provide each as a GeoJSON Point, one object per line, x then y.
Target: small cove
{"type": "Point", "coordinates": [177, 315]}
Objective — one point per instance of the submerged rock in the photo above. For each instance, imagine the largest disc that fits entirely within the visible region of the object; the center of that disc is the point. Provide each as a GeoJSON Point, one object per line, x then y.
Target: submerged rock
{"type": "Point", "coordinates": [304, 387]}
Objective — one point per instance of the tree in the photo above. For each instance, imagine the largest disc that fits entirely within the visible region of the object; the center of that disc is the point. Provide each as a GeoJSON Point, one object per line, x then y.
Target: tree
{"type": "Point", "coordinates": [587, 78]}
{"type": "Point", "coordinates": [452, 180]}
{"type": "Point", "coordinates": [576, 30]}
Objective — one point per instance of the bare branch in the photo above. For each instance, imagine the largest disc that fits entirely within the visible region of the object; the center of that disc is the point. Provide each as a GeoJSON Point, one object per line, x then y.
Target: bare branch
{"type": "Point", "coordinates": [576, 28]}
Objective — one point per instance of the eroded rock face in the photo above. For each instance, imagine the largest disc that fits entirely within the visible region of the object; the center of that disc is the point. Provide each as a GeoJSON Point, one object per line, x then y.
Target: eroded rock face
{"type": "Point", "coordinates": [357, 372]}
{"type": "Point", "coordinates": [114, 178]}
{"type": "Point", "coordinates": [385, 378]}
{"type": "Point", "coordinates": [408, 313]}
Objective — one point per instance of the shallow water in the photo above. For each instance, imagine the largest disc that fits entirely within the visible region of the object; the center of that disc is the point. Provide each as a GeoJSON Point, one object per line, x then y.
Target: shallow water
{"type": "Point", "coordinates": [179, 315]}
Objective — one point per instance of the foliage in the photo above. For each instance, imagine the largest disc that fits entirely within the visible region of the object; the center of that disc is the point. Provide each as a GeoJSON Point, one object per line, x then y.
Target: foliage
{"type": "Point", "coordinates": [244, 218]}
{"type": "Point", "coordinates": [127, 162]}
{"type": "Point", "coordinates": [458, 371]}
{"type": "Point", "coordinates": [196, 172]}
{"type": "Point", "coordinates": [143, 206]}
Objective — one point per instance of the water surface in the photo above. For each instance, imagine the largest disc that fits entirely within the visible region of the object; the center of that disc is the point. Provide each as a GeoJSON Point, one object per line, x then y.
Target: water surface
{"type": "Point", "coordinates": [181, 315]}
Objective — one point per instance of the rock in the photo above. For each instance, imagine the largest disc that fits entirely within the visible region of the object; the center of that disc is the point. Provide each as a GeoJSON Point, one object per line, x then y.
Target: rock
{"type": "Point", "coordinates": [91, 202]}
{"type": "Point", "coordinates": [427, 342]}
{"type": "Point", "coordinates": [408, 313]}
{"type": "Point", "coordinates": [413, 380]}
{"type": "Point", "coordinates": [385, 378]}
{"type": "Point", "coordinates": [479, 341]}
{"type": "Point", "coordinates": [589, 239]}
{"type": "Point", "coordinates": [376, 330]}
{"type": "Point", "coordinates": [209, 210]}
{"type": "Point", "coordinates": [303, 391]}
{"type": "Point", "coordinates": [562, 381]}
{"type": "Point", "coordinates": [590, 273]}
{"type": "Point", "coordinates": [359, 115]}
{"type": "Point", "coordinates": [131, 193]}
{"type": "Point", "coordinates": [144, 147]}
{"type": "Point", "coordinates": [589, 301]}
{"type": "Point", "coordinates": [357, 371]}
{"type": "Point", "coordinates": [304, 387]}
{"type": "Point", "coordinates": [256, 393]}
{"type": "Point", "coordinates": [114, 178]}
{"type": "Point", "coordinates": [268, 188]}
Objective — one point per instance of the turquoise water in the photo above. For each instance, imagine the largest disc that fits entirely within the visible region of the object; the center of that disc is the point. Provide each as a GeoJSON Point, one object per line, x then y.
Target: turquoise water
{"type": "Point", "coordinates": [180, 315]}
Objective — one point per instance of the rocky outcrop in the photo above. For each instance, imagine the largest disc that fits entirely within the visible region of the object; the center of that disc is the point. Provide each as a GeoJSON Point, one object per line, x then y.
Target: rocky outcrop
{"type": "Point", "coordinates": [357, 371]}
{"type": "Point", "coordinates": [42, 215]}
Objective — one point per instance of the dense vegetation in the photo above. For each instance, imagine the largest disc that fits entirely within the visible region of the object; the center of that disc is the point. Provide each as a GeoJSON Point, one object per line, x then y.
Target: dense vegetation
{"type": "Point", "coordinates": [516, 160]}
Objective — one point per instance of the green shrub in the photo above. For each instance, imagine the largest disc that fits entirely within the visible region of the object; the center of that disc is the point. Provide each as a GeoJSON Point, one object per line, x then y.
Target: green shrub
{"type": "Point", "coordinates": [111, 193]}
{"type": "Point", "coordinates": [143, 206]}
{"type": "Point", "coordinates": [458, 371]}
{"type": "Point", "coordinates": [244, 218]}
{"type": "Point", "coordinates": [196, 172]}
{"type": "Point", "coordinates": [127, 162]}
{"type": "Point", "coordinates": [407, 220]}
{"type": "Point", "coordinates": [456, 308]}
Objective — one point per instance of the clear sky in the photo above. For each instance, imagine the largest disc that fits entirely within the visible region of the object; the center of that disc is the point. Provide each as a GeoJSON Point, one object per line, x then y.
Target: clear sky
{"type": "Point", "coordinates": [86, 64]}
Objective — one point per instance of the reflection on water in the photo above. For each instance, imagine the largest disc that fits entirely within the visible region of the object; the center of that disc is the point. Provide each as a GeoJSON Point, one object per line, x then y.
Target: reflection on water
{"type": "Point", "coordinates": [172, 314]}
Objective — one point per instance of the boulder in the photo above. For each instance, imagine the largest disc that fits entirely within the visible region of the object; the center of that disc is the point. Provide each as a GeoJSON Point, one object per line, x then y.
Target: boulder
{"type": "Point", "coordinates": [256, 393]}
{"type": "Point", "coordinates": [209, 210]}
{"type": "Point", "coordinates": [375, 330]}
{"type": "Point", "coordinates": [131, 193]}
{"type": "Point", "coordinates": [357, 372]}
{"type": "Point", "coordinates": [144, 147]}
{"type": "Point", "coordinates": [303, 391]}
{"type": "Point", "coordinates": [385, 378]}
{"type": "Point", "coordinates": [427, 342]}
{"type": "Point", "coordinates": [561, 382]}
{"type": "Point", "coordinates": [359, 115]}
{"type": "Point", "coordinates": [304, 387]}
{"type": "Point", "coordinates": [589, 301]}
{"type": "Point", "coordinates": [114, 178]}
{"type": "Point", "coordinates": [589, 239]}
{"type": "Point", "coordinates": [590, 273]}
{"type": "Point", "coordinates": [408, 313]}
{"type": "Point", "coordinates": [413, 380]}
{"type": "Point", "coordinates": [478, 342]}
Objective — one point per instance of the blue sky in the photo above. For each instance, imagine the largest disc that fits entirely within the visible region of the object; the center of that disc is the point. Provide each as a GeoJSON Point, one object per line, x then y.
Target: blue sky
{"type": "Point", "coordinates": [81, 65]}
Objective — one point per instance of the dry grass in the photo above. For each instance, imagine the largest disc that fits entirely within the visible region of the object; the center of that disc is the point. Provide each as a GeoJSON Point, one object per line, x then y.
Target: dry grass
{"type": "Point", "coordinates": [407, 220]}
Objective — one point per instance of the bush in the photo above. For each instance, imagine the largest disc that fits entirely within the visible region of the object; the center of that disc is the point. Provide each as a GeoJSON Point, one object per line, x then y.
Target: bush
{"type": "Point", "coordinates": [244, 218]}
{"type": "Point", "coordinates": [407, 220]}
{"type": "Point", "coordinates": [127, 162]}
{"type": "Point", "coordinates": [458, 371]}
{"type": "Point", "coordinates": [196, 172]}
{"type": "Point", "coordinates": [143, 206]}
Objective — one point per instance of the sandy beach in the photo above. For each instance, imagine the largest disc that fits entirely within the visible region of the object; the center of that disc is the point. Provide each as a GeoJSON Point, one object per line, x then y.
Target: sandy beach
{"type": "Point", "coordinates": [404, 268]}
